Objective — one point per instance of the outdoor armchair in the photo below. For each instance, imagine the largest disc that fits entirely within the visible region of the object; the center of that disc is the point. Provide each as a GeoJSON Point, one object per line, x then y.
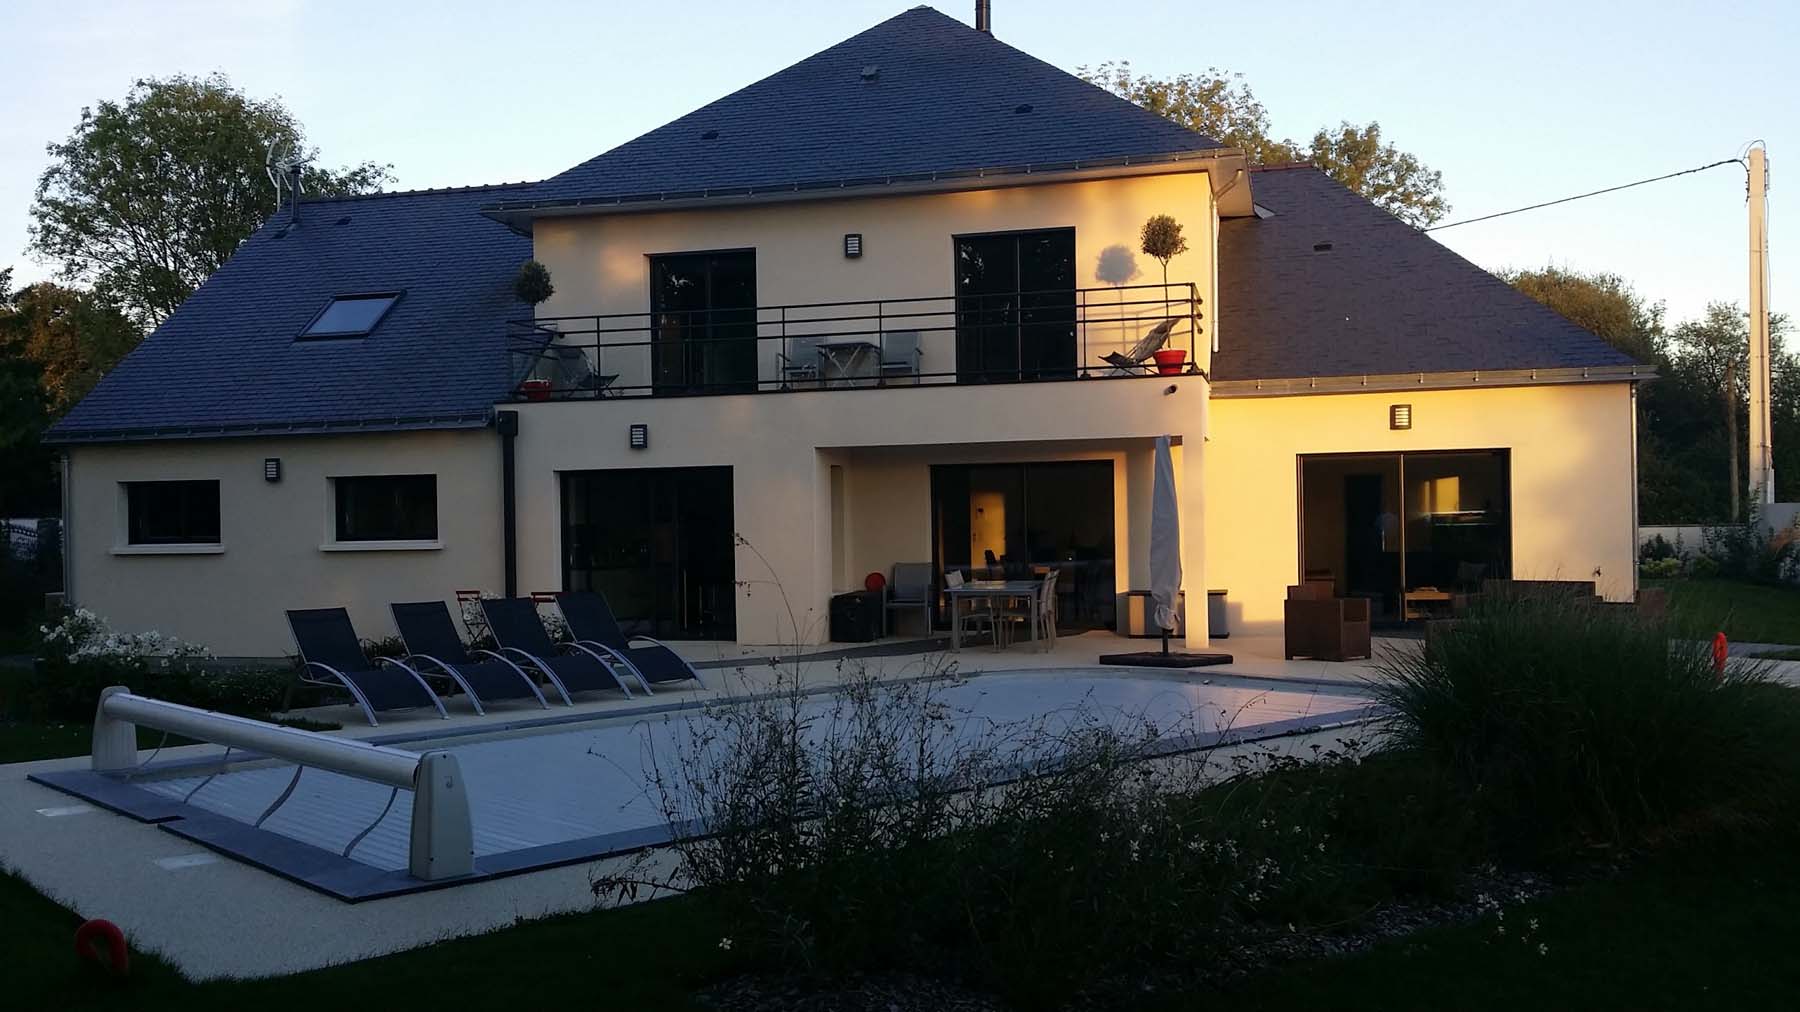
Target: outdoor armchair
{"type": "Point", "coordinates": [1149, 345]}
{"type": "Point", "coordinates": [910, 590]}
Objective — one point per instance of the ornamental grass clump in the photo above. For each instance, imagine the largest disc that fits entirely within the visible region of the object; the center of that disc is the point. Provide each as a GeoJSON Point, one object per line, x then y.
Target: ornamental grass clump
{"type": "Point", "coordinates": [1572, 725]}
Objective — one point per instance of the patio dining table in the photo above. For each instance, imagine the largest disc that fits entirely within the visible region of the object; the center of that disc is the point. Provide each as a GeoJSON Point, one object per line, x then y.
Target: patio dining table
{"type": "Point", "coordinates": [993, 591]}
{"type": "Point", "coordinates": [849, 362]}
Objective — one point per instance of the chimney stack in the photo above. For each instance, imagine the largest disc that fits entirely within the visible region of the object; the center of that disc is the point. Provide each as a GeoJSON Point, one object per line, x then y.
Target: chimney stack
{"type": "Point", "coordinates": [984, 17]}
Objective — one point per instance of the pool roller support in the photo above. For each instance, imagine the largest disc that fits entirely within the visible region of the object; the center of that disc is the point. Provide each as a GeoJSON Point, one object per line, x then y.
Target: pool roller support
{"type": "Point", "coordinates": [442, 845]}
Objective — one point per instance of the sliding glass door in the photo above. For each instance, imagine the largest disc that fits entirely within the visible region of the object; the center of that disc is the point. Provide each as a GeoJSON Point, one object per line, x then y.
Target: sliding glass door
{"type": "Point", "coordinates": [658, 543]}
{"type": "Point", "coordinates": [1019, 521]}
{"type": "Point", "coordinates": [1407, 531]}
{"type": "Point", "coordinates": [703, 309]}
{"type": "Point", "coordinates": [1015, 306]}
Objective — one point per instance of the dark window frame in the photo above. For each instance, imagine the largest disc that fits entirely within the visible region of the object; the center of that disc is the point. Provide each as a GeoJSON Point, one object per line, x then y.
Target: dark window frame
{"type": "Point", "coordinates": [196, 523]}
{"type": "Point", "coordinates": [349, 530]}
{"type": "Point", "coordinates": [307, 334]}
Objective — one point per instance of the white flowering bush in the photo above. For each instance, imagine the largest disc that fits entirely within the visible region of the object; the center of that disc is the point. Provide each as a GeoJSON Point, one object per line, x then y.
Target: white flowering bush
{"type": "Point", "coordinates": [83, 636]}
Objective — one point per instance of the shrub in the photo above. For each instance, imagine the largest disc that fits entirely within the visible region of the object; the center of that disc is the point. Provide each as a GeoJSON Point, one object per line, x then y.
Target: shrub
{"type": "Point", "coordinates": [1660, 568]}
{"type": "Point", "coordinates": [1750, 551]}
{"type": "Point", "coordinates": [1576, 726]}
{"type": "Point", "coordinates": [854, 832]}
{"type": "Point", "coordinates": [1657, 548]}
{"type": "Point", "coordinates": [1704, 567]}
{"type": "Point", "coordinates": [532, 284]}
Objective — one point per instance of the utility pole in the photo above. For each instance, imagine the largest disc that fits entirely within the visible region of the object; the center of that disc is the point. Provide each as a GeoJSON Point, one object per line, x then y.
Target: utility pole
{"type": "Point", "coordinates": [1761, 471]}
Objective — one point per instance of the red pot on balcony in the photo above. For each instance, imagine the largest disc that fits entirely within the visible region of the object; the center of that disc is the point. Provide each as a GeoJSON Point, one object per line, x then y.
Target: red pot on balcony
{"type": "Point", "coordinates": [1169, 361]}
{"type": "Point", "coordinates": [535, 389]}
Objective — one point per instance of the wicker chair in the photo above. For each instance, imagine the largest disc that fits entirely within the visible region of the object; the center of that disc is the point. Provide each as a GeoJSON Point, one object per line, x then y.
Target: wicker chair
{"type": "Point", "coordinates": [1323, 626]}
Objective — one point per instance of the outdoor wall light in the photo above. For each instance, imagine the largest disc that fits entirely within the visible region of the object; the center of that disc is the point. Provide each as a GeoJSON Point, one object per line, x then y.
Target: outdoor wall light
{"type": "Point", "coordinates": [1399, 416]}
{"type": "Point", "coordinates": [271, 468]}
{"type": "Point", "coordinates": [852, 245]}
{"type": "Point", "coordinates": [640, 436]}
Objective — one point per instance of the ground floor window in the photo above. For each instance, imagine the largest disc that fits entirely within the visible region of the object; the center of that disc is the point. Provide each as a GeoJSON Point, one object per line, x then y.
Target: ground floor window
{"type": "Point", "coordinates": [172, 512]}
{"type": "Point", "coordinates": [658, 542]}
{"type": "Point", "coordinates": [1018, 521]}
{"type": "Point", "coordinates": [1407, 531]}
{"type": "Point", "coordinates": [389, 507]}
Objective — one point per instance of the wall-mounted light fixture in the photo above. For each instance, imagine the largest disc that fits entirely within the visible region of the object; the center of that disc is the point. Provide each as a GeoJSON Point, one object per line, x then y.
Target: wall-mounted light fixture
{"type": "Point", "coordinates": [852, 245]}
{"type": "Point", "coordinates": [640, 436]}
{"type": "Point", "coordinates": [1399, 416]}
{"type": "Point", "coordinates": [271, 468]}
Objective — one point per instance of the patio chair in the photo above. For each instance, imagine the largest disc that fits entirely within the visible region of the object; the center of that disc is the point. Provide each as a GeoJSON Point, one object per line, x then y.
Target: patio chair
{"type": "Point", "coordinates": [800, 359]}
{"type": "Point", "coordinates": [570, 667]}
{"type": "Point", "coordinates": [1020, 614]}
{"type": "Point", "coordinates": [973, 616]}
{"type": "Point", "coordinates": [432, 645]}
{"type": "Point", "coordinates": [593, 626]}
{"type": "Point", "coordinates": [1320, 625]}
{"type": "Point", "coordinates": [910, 590]}
{"type": "Point", "coordinates": [900, 354]}
{"type": "Point", "coordinates": [1140, 352]}
{"type": "Point", "coordinates": [331, 656]}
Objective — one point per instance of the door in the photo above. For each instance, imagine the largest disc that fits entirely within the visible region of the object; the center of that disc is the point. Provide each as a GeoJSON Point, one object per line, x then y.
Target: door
{"type": "Point", "coordinates": [1015, 300]}
{"type": "Point", "coordinates": [703, 311]}
{"type": "Point", "coordinates": [658, 543]}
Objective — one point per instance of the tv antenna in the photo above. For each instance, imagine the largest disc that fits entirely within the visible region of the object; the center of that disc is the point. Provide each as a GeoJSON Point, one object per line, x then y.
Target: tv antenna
{"type": "Point", "coordinates": [283, 164]}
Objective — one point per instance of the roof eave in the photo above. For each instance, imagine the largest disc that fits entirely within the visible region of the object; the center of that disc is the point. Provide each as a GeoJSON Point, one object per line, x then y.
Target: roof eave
{"type": "Point", "coordinates": [1463, 380]}
{"type": "Point", "coordinates": [1223, 164]}
{"type": "Point", "coordinates": [90, 437]}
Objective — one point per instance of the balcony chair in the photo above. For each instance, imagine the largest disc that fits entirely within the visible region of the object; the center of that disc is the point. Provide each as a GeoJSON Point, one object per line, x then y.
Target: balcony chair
{"type": "Point", "coordinates": [1320, 625]}
{"type": "Point", "coordinates": [1150, 344]}
{"type": "Point", "coordinates": [800, 361]}
{"type": "Point", "coordinates": [910, 590]}
{"type": "Point", "coordinates": [900, 354]}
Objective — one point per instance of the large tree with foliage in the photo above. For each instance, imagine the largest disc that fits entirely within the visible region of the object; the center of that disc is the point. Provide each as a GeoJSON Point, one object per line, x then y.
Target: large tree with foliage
{"type": "Point", "coordinates": [150, 195]}
{"type": "Point", "coordinates": [1605, 304]}
{"type": "Point", "coordinates": [1221, 105]}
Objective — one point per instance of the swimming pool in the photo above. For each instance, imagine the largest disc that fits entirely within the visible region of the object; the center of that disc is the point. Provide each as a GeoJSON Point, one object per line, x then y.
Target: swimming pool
{"type": "Point", "coordinates": [548, 792]}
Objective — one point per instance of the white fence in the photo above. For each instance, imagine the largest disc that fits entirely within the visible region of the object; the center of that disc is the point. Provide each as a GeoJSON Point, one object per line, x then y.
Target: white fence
{"type": "Point", "coordinates": [442, 839]}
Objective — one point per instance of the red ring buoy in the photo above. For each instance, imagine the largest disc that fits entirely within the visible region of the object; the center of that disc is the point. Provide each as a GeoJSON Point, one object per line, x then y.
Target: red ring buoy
{"type": "Point", "coordinates": [103, 943]}
{"type": "Point", "coordinates": [874, 582]}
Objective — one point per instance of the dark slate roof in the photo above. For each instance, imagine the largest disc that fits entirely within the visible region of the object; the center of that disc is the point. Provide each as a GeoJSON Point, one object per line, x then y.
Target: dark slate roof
{"type": "Point", "coordinates": [1385, 299]}
{"type": "Point", "coordinates": [944, 102]}
{"type": "Point", "coordinates": [227, 361]}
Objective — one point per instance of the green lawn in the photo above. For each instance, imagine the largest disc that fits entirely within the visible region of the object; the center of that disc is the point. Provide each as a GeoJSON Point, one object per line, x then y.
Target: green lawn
{"type": "Point", "coordinates": [1751, 612]}
{"type": "Point", "coordinates": [1686, 935]}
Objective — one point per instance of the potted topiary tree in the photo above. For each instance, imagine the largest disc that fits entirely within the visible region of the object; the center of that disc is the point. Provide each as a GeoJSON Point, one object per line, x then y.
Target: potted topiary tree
{"type": "Point", "coordinates": [532, 286]}
{"type": "Point", "coordinates": [1162, 239]}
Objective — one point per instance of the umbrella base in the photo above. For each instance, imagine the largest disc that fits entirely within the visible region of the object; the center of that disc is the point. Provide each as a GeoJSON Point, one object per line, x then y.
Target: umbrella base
{"type": "Point", "coordinates": [1158, 659]}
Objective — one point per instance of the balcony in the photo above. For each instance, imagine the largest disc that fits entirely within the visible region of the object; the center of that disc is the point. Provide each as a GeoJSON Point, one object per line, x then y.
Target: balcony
{"type": "Point", "coordinates": [1006, 337]}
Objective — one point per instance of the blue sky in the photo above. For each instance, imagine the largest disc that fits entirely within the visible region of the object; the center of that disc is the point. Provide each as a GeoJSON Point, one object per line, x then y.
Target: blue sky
{"type": "Point", "coordinates": [1513, 102]}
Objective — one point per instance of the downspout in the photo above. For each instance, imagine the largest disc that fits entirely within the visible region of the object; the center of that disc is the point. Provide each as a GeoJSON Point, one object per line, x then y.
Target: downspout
{"type": "Point", "coordinates": [68, 537]}
{"type": "Point", "coordinates": [507, 424]}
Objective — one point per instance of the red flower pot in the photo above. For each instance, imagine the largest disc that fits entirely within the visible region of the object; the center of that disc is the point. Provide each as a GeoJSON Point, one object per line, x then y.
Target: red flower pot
{"type": "Point", "coordinates": [535, 389]}
{"type": "Point", "coordinates": [1169, 361]}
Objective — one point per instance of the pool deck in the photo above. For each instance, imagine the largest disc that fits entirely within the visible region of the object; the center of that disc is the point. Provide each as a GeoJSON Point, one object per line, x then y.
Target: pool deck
{"type": "Point", "coordinates": [215, 917]}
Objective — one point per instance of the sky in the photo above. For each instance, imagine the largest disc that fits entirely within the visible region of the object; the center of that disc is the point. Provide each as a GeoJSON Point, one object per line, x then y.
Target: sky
{"type": "Point", "coordinates": [1514, 103]}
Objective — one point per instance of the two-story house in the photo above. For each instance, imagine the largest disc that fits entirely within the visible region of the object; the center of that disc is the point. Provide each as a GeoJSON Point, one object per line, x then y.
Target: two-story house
{"type": "Point", "coordinates": [887, 305]}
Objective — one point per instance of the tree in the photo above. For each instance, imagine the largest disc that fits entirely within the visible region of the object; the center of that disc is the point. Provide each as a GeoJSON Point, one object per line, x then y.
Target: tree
{"type": "Point", "coordinates": [1716, 350]}
{"type": "Point", "coordinates": [1221, 105]}
{"type": "Point", "coordinates": [150, 195]}
{"type": "Point", "coordinates": [1602, 303]}
{"type": "Point", "coordinates": [71, 337]}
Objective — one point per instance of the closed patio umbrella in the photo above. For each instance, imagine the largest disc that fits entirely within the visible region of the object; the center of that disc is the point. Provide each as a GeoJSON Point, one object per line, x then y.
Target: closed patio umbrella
{"type": "Point", "coordinates": [1165, 540]}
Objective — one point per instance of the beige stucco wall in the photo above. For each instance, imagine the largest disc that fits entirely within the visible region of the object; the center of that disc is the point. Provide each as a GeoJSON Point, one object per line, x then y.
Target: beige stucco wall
{"type": "Point", "coordinates": [781, 449]}
{"type": "Point", "coordinates": [1572, 479]}
{"type": "Point", "coordinates": [271, 533]}
{"type": "Point", "coordinates": [600, 264]}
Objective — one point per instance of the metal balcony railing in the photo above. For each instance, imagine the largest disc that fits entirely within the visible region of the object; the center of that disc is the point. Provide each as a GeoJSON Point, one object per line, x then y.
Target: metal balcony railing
{"type": "Point", "coordinates": [1003, 337]}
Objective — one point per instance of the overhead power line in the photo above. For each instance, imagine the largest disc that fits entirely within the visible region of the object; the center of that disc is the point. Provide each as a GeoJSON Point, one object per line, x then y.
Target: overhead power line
{"type": "Point", "coordinates": [1583, 196]}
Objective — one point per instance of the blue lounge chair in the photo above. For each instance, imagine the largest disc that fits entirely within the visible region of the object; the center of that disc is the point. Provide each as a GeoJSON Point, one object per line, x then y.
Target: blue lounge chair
{"type": "Point", "coordinates": [570, 667]}
{"type": "Point", "coordinates": [432, 646]}
{"type": "Point", "coordinates": [331, 656]}
{"type": "Point", "coordinates": [592, 625]}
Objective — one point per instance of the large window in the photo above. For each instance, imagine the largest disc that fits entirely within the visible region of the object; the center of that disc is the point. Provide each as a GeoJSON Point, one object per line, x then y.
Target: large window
{"type": "Point", "coordinates": [386, 508]}
{"type": "Point", "coordinates": [172, 512]}
{"type": "Point", "coordinates": [704, 309]}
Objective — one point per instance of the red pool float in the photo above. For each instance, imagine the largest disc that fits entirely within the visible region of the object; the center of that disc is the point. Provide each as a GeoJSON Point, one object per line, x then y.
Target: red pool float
{"type": "Point", "coordinates": [103, 943]}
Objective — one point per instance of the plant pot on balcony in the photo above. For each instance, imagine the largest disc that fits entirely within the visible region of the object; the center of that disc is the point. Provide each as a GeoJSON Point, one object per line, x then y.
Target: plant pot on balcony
{"type": "Point", "coordinates": [535, 389]}
{"type": "Point", "coordinates": [1169, 361]}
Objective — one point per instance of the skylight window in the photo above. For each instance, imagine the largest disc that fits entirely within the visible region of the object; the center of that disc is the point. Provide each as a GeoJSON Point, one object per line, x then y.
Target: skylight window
{"type": "Point", "coordinates": [351, 315]}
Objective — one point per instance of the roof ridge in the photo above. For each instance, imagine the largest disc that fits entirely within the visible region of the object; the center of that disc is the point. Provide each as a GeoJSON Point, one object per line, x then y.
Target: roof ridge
{"type": "Point", "coordinates": [421, 192]}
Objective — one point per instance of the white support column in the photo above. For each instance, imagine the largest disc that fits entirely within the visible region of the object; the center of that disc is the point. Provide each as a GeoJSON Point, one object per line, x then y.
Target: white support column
{"type": "Point", "coordinates": [115, 740]}
{"type": "Point", "coordinates": [1191, 476]}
